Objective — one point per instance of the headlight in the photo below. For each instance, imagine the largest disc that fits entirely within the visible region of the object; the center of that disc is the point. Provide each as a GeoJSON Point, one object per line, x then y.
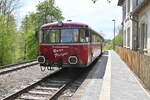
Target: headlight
{"type": "Point", "coordinates": [73, 60]}
{"type": "Point", "coordinates": [41, 59]}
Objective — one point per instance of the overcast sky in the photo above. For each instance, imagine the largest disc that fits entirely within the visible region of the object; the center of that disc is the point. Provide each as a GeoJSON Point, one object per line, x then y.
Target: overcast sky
{"type": "Point", "coordinates": [99, 15]}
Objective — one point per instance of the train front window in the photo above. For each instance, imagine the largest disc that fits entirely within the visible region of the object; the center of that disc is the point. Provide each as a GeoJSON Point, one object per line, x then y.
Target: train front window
{"type": "Point", "coordinates": [50, 36]}
{"type": "Point", "coordinates": [69, 35]}
{"type": "Point", "coordinates": [60, 36]}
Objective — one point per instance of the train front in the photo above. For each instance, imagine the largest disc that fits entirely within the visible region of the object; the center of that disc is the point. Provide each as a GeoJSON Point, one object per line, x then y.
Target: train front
{"type": "Point", "coordinates": [64, 45]}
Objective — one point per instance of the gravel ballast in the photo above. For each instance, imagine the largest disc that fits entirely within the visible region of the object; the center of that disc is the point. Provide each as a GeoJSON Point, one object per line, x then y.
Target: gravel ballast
{"type": "Point", "coordinates": [17, 80]}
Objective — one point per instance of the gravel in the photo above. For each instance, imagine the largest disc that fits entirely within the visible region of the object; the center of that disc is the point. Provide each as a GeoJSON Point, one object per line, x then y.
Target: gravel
{"type": "Point", "coordinates": [69, 92]}
{"type": "Point", "coordinates": [15, 81]}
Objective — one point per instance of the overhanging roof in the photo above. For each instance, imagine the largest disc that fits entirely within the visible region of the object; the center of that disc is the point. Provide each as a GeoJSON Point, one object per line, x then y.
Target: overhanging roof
{"type": "Point", "coordinates": [145, 3]}
{"type": "Point", "coordinates": [120, 2]}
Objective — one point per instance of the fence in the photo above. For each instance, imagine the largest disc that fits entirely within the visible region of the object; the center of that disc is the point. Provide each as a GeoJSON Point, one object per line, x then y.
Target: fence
{"type": "Point", "coordinates": [138, 63]}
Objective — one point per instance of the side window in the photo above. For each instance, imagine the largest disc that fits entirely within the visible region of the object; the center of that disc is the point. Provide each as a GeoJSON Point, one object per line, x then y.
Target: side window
{"type": "Point", "coordinates": [93, 37]}
{"type": "Point", "coordinates": [98, 38]}
{"type": "Point", "coordinates": [82, 35]}
{"type": "Point", "coordinates": [76, 35]}
{"type": "Point", "coordinates": [41, 36]}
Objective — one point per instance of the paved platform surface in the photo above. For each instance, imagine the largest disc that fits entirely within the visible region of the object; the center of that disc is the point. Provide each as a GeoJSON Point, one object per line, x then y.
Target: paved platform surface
{"type": "Point", "coordinates": [91, 87]}
{"type": "Point", "coordinates": [124, 85]}
{"type": "Point", "coordinates": [117, 82]}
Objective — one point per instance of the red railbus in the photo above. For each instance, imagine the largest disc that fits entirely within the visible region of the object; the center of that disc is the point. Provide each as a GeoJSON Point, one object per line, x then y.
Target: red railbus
{"type": "Point", "coordinates": [68, 44]}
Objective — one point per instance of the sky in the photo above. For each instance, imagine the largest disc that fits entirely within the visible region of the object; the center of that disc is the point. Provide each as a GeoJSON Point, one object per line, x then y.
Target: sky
{"type": "Point", "coordinates": [99, 15]}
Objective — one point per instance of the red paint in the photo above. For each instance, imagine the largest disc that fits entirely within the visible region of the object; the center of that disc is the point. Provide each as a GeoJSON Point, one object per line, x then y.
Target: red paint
{"type": "Point", "coordinates": [56, 52]}
{"type": "Point", "coordinates": [85, 52]}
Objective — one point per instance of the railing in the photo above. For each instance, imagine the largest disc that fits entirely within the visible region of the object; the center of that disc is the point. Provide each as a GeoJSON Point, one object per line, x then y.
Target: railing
{"type": "Point", "coordinates": [138, 63]}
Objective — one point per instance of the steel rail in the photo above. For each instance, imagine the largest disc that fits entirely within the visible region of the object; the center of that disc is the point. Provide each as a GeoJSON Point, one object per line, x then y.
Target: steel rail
{"type": "Point", "coordinates": [17, 68]}
{"type": "Point", "coordinates": [15, 95]}
{"type": "Point", "coordinates": [54, 95]}
{"type": "Point", "coordinates": [58, 93]}
{"type": "Point", "coordinates": [12, 65]}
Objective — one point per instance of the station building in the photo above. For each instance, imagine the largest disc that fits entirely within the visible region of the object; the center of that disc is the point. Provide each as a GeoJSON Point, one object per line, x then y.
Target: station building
{"type": "Point", "coordinates": [136, 25]}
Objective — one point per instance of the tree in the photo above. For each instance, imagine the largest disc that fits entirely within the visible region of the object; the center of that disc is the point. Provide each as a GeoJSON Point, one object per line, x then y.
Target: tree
{"type": "Point", "coordinates": [30, 42]}
{"type": "Point", "coordinates": [9, 43]}
{"type": "Point", "coordinates": [118, 42]}
{"type": "Point", "coordinates": [8, 6]}
{"type": "Point", "coordinates": [8, 40]}
{"type": "Point", "coordinates": [46, 12]}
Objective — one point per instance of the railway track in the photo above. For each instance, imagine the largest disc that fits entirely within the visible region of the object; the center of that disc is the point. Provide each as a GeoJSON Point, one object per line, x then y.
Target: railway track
{"type": "Point", "coordinates": [48, 88]}
{"type": "Point", "coordinates": [14, 67]}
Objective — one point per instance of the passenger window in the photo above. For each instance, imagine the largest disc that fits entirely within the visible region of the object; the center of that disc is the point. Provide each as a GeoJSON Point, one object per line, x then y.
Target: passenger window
{"type": "Point", "coordinates": [93, 37]}
{"type": "Point", "coordinates": [98, 39]}
{"type": "Point", "coordinates": [82, 36]}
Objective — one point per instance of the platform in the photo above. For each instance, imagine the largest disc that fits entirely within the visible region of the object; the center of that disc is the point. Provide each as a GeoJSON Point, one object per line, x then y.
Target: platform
{"type": "Point", "coordinates": [117, 82]}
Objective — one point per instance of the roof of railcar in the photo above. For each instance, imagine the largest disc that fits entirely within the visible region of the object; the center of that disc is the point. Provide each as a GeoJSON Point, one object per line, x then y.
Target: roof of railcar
{"type": "Point", "coordinates": [64, 25]}
{"type": "Point", "coordinates": [68, 24]}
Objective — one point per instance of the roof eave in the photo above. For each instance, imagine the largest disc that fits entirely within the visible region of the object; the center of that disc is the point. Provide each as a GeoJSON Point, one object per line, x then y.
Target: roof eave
{"type": "Point", "coordinates": [120, 2]}
{"type": "Point", "coordinates": [141, 6]}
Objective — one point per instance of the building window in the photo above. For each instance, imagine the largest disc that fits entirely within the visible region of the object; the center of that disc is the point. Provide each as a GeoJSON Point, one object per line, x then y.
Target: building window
{"type": "Point", "coordinates": [128, 5]}
{"type": "Point", "coordinates": [137, 2]}
{"type": "Point", "coordinates": [124, 38]}
{"type": "Point", "coordinates": [124, 10]}
{"type": "Point", "coordinates": [144, 35]}
{"type": "Point", "coordinates": [128, 37]}
{"type": "Point", "coordinates": [138, 37]}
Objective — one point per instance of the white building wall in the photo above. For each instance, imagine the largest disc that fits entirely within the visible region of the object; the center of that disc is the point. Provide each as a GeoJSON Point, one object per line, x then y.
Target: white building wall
{"type": "Point", "coordinates": [144, 17]}
{"type": "Point", "coordinates": [128, 23]}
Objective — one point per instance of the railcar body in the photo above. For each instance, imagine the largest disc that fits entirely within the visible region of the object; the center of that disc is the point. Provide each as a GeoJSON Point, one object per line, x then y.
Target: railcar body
{"type": "Point", "coordinates": [68, 44]}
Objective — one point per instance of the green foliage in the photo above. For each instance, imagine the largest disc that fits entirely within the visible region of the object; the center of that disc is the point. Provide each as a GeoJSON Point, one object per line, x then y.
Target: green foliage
{"type": "Point", "coordinates": [9, 44]}
{"type": "Point", "coordinates": [46, 12]}
{"type": "Point", "coordinates": [30, 42]}
{"type": "Point", "coordinates": [109, 45]}
{"type": "Point", "coordinates": [118, 42]}
{"type": "Point", "coordinates": [17, 46]}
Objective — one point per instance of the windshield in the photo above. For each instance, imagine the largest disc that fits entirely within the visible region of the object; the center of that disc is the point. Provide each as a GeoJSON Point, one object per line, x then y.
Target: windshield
{"type": "Point", "coordinates": [69, 35]}
{"type": "Point", "coordinates": [60, 35]}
